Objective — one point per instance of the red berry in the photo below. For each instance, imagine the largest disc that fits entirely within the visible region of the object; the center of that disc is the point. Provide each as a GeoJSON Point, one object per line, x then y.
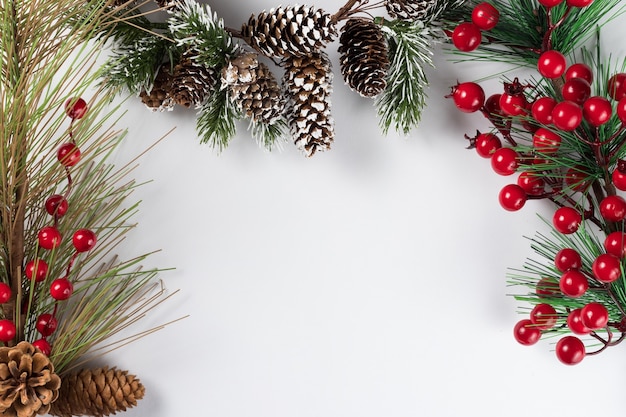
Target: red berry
{"type": "Point", "coordinates": [567, 259]}
{"type": "Point", "coordinates": [573, 283]}
{"type": "Point", "coordinates": [576, 90]}
{"type": "Point", "coordinates": [550, 3]}
{"type": "Point", "coordinates": [84, 240]}
{"type": "Point", "coordinates": [5, 292]}
{"type": "Point", "coordinates": [7, 330]}
{"type": "Point", "coordinates": [43, 346]}
{"type": "Point", "coordinates": [547, 287]}
{"type": "Point", "coordinates": [619, 179]}
{"type": "Point", "coordinates": [594, 316]}
{"type": "Point", "coordinates": [551, 64]}
{"type": "Point", "coordinates": [512, 197]}
{"type": "Point", "coordinates": [620, 109]}
{"type": "Point", "coordinates": [37, 269]}
{"type": "Point", "coordinates": [616, 86]}
{"type": "Point", "coordinates": [544, 316]}
{"type": "Point", "coordinates": [468, 97]}
{"type": "Point", "coordinates": [531, 183]}
{"type": "Point", "coordinates": [566, 220]}
{"type": "Point", "coordinates": [579, 3]}
{"type": "Point", "coordinates": [485, 16]}
{"type": "Point", "coordinates": [75, 108]}
{"type": "Point", "coordinates": [56, 205]}
{"type": "Point", "coordinates": [607, 268]}
{"type": "Point", "coordinates": [68, 154]}
{"type": "Point", "coordinates": [513, 104]}
{"type": "Point", "coordinates": [570, 350]}
{"type": "Point", "coordinates": [546, 141]}
{"type": "Point", "coordinates": [542, 110]}
{"type": "Point", "coordinates": [567, 115]}
{"type": "Point", "coordinates": [576, 178]}
{"type": "Point", "coordinates": [505, 161]}
{"type": "Point", "coordinates": [575, 324]}
{"type": "Point", "coordinates": [61, 289]}
{"type": "Point", "coordinates": [613, 208]}
{"type": "Point", "coordinates": [615, 244]}
{"type": "Point", "coordinates": [597, 110]}
{"type": "Point", "coordinates": [579, 70]}
{"type": "Point", "coordinates": [492, 105]}
{"type": "Point", "coordinates": [466, 37]}
{"type": "Point", "coordinates": [46, 324]}
{"type": "Point", "coordinates": [526, 333]}
{"type": "Point", "coordinates": [49, 237]}
{"type": "Point", "coordinates": [486, 144]}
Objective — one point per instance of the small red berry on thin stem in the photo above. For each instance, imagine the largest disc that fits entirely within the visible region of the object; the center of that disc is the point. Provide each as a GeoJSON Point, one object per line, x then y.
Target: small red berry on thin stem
{"type": "Point", "coordinates": [61, 289]}
{"type": "Point", "coordinates": [36, 269]}
{"type": "Point", "coordinates": [5, 292]}
{"type": "Point", "coordinates": [7, 330]}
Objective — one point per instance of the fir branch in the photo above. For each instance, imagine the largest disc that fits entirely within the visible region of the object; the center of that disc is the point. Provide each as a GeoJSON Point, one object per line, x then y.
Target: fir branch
{"type": "Point", "coordinates": [195, 26]}
{"type": "Point", "coordinates": [401, 103]}
{"type": "Point", "coordinates": [269, 135]}
{"type": "Point", "coordinates": [216, 120]}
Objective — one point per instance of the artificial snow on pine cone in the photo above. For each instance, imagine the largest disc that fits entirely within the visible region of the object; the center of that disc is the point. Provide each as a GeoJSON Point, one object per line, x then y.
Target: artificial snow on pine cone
{"type": "Point", "coordinates": [409, 9]}
{"type": "Point", "coordinates": [158, 98]}
{"type": "Point", "coordinates": [364, 60]}
{"type": "Point", "coordinates": [28, 384]}
{"type": "Point", "coordinates": [97, 392]}
{"type": "Point", "coordinates": [253, 88]}
{"type": "Point", "coordinates": [308, 85]}
{"type": "Point", "coordinates": [192, 82]}
{"type": "Point", "coordinates": [290, 30]}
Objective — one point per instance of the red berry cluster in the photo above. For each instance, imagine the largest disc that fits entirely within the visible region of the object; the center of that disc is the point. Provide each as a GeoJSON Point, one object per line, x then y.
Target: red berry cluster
{"type": "Point", "coordinates": [467, 36]}
{"type": "Point", "coordinates": [575, 115]}
{"type": "Point", "coordinates": [50, 238]}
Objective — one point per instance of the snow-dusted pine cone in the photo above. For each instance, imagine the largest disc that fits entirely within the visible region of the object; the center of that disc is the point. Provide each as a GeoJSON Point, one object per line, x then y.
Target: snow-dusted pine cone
{"type": "Point", "coordinates": [192, 83]}
{"type": "Point", "coordinates": [253, 88]}
{"type": "Point", "coordinates": [290, 30]}
{"type": "Point", "coordinates": [97, 392]}
{"type": "Point", "coordinates": [158, 99]}
{"type": "Point", "coordinates": [28, 384]}
{"type": "Point", "coordinates": [364, 60]}
{"type": "Point", "coordinates": [409, 9]}
{"type": "Point", "coordinates": [308, 85]}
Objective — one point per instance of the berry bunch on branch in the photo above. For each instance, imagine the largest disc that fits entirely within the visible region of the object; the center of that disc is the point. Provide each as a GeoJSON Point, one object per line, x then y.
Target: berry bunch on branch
{"type": "Point", "coordinates": [562, 135]}
{"type": "Point", "coordinates": [63, 294]}
{"type": "Point", "coordinates": [193, 60]}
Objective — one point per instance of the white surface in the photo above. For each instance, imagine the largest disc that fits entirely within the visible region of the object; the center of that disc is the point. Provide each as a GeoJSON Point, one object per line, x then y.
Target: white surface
{"type": "Point", "coordinates": [367, 281]}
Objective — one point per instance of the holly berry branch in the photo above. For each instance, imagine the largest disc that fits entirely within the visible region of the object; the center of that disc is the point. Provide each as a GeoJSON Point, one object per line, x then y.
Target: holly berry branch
{"type": "Point", "coordinates": [193, 60]}
{"type": "Point", "coordinates": [563, 134]}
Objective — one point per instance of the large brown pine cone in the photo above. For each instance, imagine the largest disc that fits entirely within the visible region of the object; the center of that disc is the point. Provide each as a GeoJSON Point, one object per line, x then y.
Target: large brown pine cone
{"type": "Point", "coordinates": [308, 85]}
{"type": "Point", "coordinates": [97, 392]}
{"type": "Point", "coordinates": [28, 384]}
{"type": "Point", "coordinates": [364, 61]}
{"type": "Point", "coordinates": [290, 30]}
{"type": "Point", "coordinates": [253, 88]}
{"type": "Point", "coordinates": [409, 9]}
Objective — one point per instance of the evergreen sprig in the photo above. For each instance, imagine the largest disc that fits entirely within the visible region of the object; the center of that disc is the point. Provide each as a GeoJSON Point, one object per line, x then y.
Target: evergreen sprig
{"type": "Point", "coordinates": [216, 122]}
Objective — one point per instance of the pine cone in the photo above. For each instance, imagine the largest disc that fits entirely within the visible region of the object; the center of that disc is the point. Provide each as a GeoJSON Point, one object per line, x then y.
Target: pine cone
{"type": "Point", "coordinates": [291, 30]}
{"type": "Point", "coordinates": [253, 88]}
{"type": "Point", "coordinates": [308, 84]}
{"type": "Point", "coordinates": [364, 61]}
{"type": "Point", "coordinates": [170, 5]}
{"type": "Point", "coordinates": [97, 392]}
{"type": "Point", "coordinates": [28, 384]}
{"type": "Point", "coordinates": [409, 9]}
{"type": "Point", "coordinates": [192, 83]}
{"type": "Point", "coordinates": [159, 96]}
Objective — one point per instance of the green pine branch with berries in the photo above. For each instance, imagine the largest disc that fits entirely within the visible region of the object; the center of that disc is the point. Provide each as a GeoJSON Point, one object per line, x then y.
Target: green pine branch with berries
{"type": "Point", "coordinates": [562, 134]}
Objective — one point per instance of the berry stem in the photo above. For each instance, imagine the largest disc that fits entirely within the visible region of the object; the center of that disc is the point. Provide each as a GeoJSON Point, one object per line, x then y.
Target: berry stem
{"type": "Point", "coordinates": [547, 37]}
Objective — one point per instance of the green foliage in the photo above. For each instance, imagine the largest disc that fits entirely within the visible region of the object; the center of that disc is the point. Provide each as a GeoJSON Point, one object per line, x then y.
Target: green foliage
{"type": "Point", "coordinates": [269, 135]}
{"type": "Point", "coordinates": [216, 123]}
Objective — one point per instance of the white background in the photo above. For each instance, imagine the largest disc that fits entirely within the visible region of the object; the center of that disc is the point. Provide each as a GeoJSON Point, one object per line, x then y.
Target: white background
{"type": "Point", "coordinates": [366, 281]}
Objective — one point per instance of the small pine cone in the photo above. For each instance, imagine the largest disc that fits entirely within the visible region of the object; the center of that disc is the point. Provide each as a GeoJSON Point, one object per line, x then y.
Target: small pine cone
{"type": "Point", "coordinates": [192, 83]}
{"type": "Point", "coordinates": [364, 60]}
{"type": "Point", "coordinates": [97, 392]}
{"type": "Point", "coordinates": [159, 96]}
{"type": "Point", "coordinates": [409, 9]}
{"type": "Point", "coordinates": [253, 88]}
{"type": "Point", "coordinates": [308, 85]}
{"type": "Point", "coordinates": [290, 30]}
{"type": "Point", "coordinates": [28, 384]}
{"type": "Point", "coordinates": [170, 5]}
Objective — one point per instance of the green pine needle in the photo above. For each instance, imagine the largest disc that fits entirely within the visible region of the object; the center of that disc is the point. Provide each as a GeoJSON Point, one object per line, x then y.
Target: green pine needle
{"type": "Point", "coordinates": [216, 122]}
